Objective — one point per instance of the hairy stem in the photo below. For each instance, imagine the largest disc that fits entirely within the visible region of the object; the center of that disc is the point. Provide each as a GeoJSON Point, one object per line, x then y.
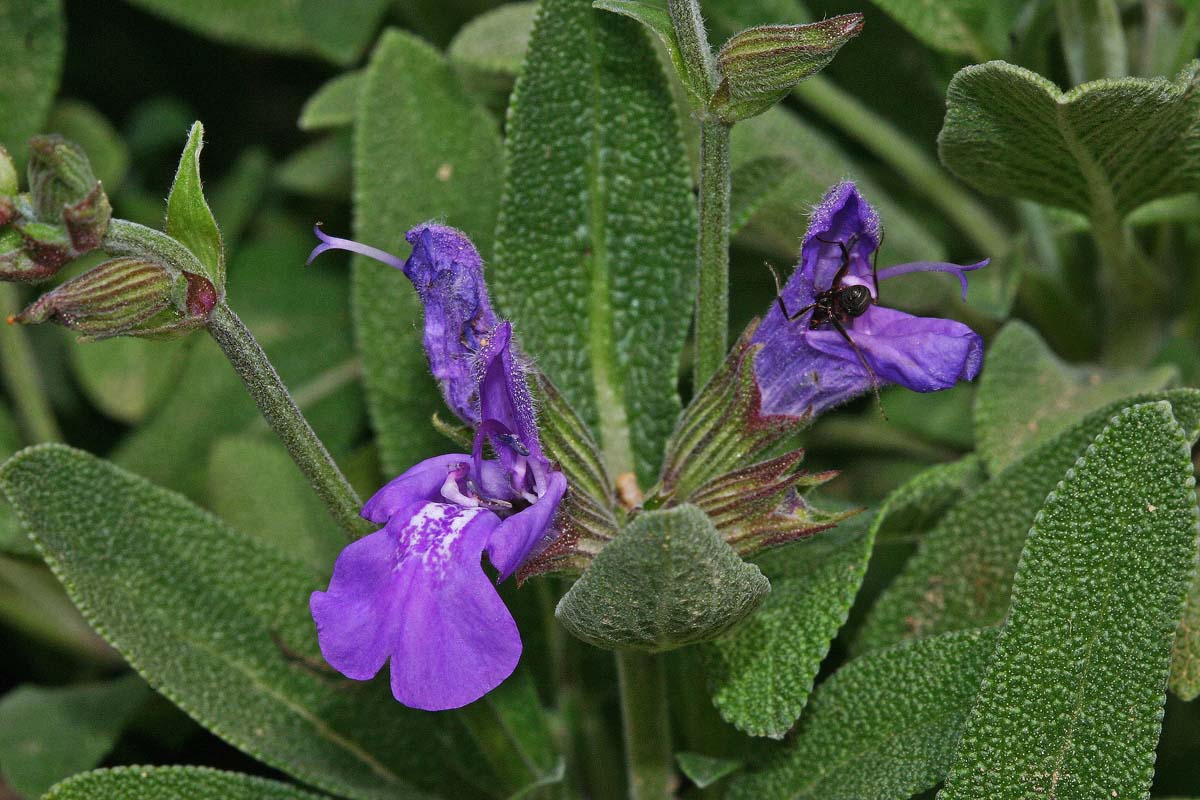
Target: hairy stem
{"type": "Point", "coordinates": [282, 414]}
{"type": "Point", "coordinates": [894, 148]}
{"type": "Point", "coordinates": [647, 726]}
{"type": "Point", "coordinates": [22, 376]}
{"type": "Point", "coordinates": [712, 299]}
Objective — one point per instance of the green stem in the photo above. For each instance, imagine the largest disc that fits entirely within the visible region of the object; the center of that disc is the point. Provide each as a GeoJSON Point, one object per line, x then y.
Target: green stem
{"type": "Point", "coordinates": [1128, 289]}
{"type": "Point", "coordinates": [281, 413]}
{"type": "Point", "coordinates": [712, 299]}
{"type": "Point", "coordinates": [22, 376]}
{"type": "Point", "coordinates": [648, 760]}
{"type": "Point", "coordinates": [893, 147]}
{"type": "Point", "coordinates": [1093, 41]}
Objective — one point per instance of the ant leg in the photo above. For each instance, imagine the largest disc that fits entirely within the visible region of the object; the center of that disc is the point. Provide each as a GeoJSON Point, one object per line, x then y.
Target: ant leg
{"type": "Point", "coordinates": [841, 329]}
{"type": "Point", "coordinates": [845, 265]}
{"type": "Point", "coordinates": [779, 296]}
{"type": "Point", "coordinates": [875, 265]}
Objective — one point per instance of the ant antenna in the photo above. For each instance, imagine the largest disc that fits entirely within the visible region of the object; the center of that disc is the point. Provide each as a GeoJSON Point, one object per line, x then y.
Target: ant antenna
{"type": "Point", "coordinates": [779, 295]}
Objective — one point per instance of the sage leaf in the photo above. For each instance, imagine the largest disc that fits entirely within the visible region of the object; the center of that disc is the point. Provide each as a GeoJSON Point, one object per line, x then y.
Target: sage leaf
{"type": "Point", "coordinates": [219, 624]}
{"type": "Point", "coordinates": [283, 26]}
{"type": "Point", "coordinates": [753, 183]}
{"type": "Point", "coordinates": [1073, 700]}
{"type": "Point", "coordinates": [595, 245]}
{"type": "Point", "coordinates": [32, 42]}
{"type": "Point", "coordinates": [1102, 149]}
{"type": "Point", "coordinates": [246, 469]}
{"type": "Point", "coordinates": [1027, 394]}
{"type": "Point", "coordinates": [667, 580]}
{"type": "Point", "coordinates": [657, 20]}
{"type": "Point", "coordinates": [47, 734]}
{"type": "Point", "coordinates": [494, 43]}
{"type": "Point", "coordinates": [13, 540]}
{"type": "Point", "coordinates": [321, 169]}
{"type": "Point", "coordinates": [961, 574]}
{"type": "Point", "coordinates": [173, 783]}
{"type": "Point", "coordinates": [916, 505]}
{"type": "Point", "coordinates": [126, 377]}
{"type": "Point", "coordinates": [423, 150]}
{"type": "Point", "coordinates": [976, 29]}
{"type": "Point", "coordinates": [189, 219]}
{"type": "Point", "coordinates": [703, 770]}
{"type": "Point", "coordinates": [334, 104]}
{"type": "Point", "coordinates": [761, 673]}
{"type": "Point", "coordinates": [882, 726]}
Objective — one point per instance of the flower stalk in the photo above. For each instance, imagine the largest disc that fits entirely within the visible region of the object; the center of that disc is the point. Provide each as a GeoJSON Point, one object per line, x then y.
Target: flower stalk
{"type": "Point", "coordinates": [284, 417]}
{"type": "Point", "coordinates": [647, 728]}
{"type": "Point", "coordinates": [712, 300]}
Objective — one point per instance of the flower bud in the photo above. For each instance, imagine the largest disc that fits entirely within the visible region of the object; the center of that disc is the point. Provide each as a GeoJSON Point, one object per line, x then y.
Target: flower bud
{"type": "Point", "coordinates": [65, 191]}
{"type": "Point", "coordinates": [760, 66]}
{"type": "Point", "coordinates": [125, 296]}
{"type": "Point", "coordinates": [8, 174]}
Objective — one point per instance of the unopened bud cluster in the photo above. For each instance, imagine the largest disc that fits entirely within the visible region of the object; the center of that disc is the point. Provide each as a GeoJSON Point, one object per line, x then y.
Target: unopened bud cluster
{"type": "Point", "coordinates": [66, 214]}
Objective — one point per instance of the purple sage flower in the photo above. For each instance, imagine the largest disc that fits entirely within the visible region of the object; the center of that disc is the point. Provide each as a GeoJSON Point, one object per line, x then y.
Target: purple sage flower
{"type": "Point", "coordinates": [415, 592]}
{"type": "Point", "coordinates": [807, 366]}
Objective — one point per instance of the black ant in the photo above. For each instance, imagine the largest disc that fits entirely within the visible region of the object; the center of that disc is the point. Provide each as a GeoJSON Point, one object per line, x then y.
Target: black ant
{"type": "Point", "coordinates": [838, 304]}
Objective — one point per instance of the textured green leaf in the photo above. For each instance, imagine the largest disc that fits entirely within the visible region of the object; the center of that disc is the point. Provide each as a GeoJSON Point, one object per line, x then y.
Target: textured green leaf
{"type": "Point", "coordinates": [188, 217]}
{"type": "Point", "coordinates": [495, 41]}
{"type": "Point", "coordinates": [657, 20]}
{"type": "Point", "coordinates": [1073, 700]}
{"type": "Point", "coordinates": [173, 783]}
{"type": "Point", "coordinates": [321, 169]}
{"type": "Point", "coordinates": [32, 41]}
{"type": "Point", "coordinates": [284, 26]}
{"type": "Point", "coordinates": [761, 674]}
{"type": "Point", "coordinates": [667, 580]}
{"type": "Point", "coordinates": [978, 29]}
{"type": "Point", "coordinates": [703, 770]}
{"type": "Point", "coordinates": [13, 540]}
{"type": "Point", "coordinates": [334, 104]}
{"type": "Point", "coordinates": [256, 487]}
{"type": "Point", "coordinates": [883, 726]}
{"type": "Point", "coordinates": [300, 317]}
{"type": "Point", "coordinates": [595, 246]}
{"type": "Point", "coordinates": [126, 377]}
{"type": "Point", "coordinates": [961, 575]}
{"type": "Point", "coordinates": [49, 734]}
{"type": "Point", "coordinates": [917, 505]}
{"type": "Point", "coordinates": [1027, 394]}
{"type": "Point", "coordinates": [340, 31]}
{"type": "Point", "coordinates": [423, 150]}
{"type": "Point", "coordinates": [1185, 656]}
{"type": "Point", "coordinates": [753, 183]}
{"type": "Point", "coordinates": [87, 127]}
{"type": "Point", "coordinates": [1104, 147]}
{"type": "Point", "coordinates": [219, 624]}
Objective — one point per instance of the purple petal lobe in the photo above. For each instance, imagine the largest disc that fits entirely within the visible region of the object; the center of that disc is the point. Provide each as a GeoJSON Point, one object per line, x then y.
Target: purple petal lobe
{"type": "Point", "coordinates": [415, 593]}
{"type": "Point", "coordinates": [504, 396]}
{"type": "Point", "coordinates": [934, 266]}
{"type": "Point", "coordinates": [523, 534]}
{"type": "Point", "coordinates": [419, 483]}
{"type": "Point", "coordinates": [335, 243]}
{"type": "Point", "coordinates": [447, 272]}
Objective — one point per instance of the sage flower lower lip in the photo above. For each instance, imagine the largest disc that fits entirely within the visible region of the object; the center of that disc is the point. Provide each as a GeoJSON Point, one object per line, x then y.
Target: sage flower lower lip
{"type": "Point", "coordinates": [802, 369]}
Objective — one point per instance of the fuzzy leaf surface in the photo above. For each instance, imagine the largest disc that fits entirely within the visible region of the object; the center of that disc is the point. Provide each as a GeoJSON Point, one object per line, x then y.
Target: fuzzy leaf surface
{"type": "Point", "coordinates": [961, 575]}
{"type": "Point", "coordinates": [1073, 700]}
{"type": "Point", "coordinates": [883, 726]}
{"type": "Point", "coordinates": [47, 734]}
{"type": "Point", "coordinates": [219, 624]}
{"type": "Point", "coordinates": [667, 580]}
{"type": "Point", "coordinates": [761, 674]}
{"type": "Point", "coordinates": [174, 783]}
{"type": "Point", "coordinates": [1027, 394]}
{"type": "Point", "coordinates": [32, 42]}
{"type": "Point", "coordinates": [595, 245]}
{"type": "Point", "coordinates": [915, 506]}
{"type": "Point", "coordinates": [977, 29]}
{"type": "Point", "coordinates": [423, 150]}
{"type": "Point", "coordinates": [1104, 147]}
{"type": "Point", "coordinates": [334, 104]}
{"type": "Point", "coordinates": [188, 217]}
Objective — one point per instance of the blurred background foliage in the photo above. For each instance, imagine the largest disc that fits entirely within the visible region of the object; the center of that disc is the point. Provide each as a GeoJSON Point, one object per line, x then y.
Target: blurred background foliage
{"type": "Point", "coordinates": [275, 83]}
